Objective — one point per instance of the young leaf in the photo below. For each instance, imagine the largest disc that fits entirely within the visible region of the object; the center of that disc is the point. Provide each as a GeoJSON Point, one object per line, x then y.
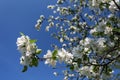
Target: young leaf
{"type": "Point", "coordinates": [22, 34]}
{"type": "Point", "coordinates": [38, 51]}
{"type": "Point", "coordinates": [33, 41]}
{"type": "Point", "coordinates": [71, 67]}
{"type": "Point", "coordinates": [25, 69]}
{"type": "Point", "coordinates": [85, 58]}
{"type": "Point", "coordinates": [35, 62]}
{"type": "Point", "coordinates": [54, 54]}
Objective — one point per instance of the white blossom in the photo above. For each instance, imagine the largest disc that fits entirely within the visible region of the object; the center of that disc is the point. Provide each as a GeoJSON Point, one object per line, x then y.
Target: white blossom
{"type": "Point", "coordinates": [55, 73]}
{"type": "Point", "coordinates": [64, 56]}
{"type": "Point", "coordinates": [51, 6]}
{"type": "Point", "coordinates": [76, 51]}
{"type": "Point", "coordinates": [47, 28]}
{"type": "Point", "coordinates": [26, 48]}
{"type": "Point", "coordinates": [51, 24]}
{"type": "Point", "coordinates": [94, 2]}
{"type": "Point", "coordinates": [93, 61]}
{"type": "Point", "coordinates": [61, 40]}
{"type": "Point", "coordinates": [37, 26]}
{"type": "Point", "coordinates": [60, 1]}
{"type": "Point", "coordinates": [101, 42]}
{"type": "Point", "coordinates": [86, 49]}
{"type": "Point", "coordinates": [49, 59]}
{"type": "Point", "coordinates": [21, 41]}
{"type": "Point", "coordinates": [64, 45]}
{"type": "Point", "coordinates": [108, 30]}
{"type": "Point", "coordinates": [110, 15]}
{"type": "Point", "coordinates": [25, 60]}
{"type": "Point", "coordinates": [88, 71]}
{"type": "Point", "coordinates": [71, 75]}
{"type": "Point", "coordinates": [93, 31]}
{"type": "Point", "coordinates": [86, 42]}
{"type": "Point", "coordinates": [73, 27]}
{"type": "Point", "coordinates": [42, 17]}
{"type": "Point", "coordinates": [113, 6]}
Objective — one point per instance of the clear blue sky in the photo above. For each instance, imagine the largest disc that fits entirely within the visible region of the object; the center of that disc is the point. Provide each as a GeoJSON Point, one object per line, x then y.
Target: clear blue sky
{"type": "Point", "coordinates": [21, 16]}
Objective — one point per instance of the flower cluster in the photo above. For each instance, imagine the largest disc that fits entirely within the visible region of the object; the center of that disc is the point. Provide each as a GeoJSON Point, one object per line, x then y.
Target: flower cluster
{"type": "Point", "coordinates": [49, 59]}
{"type": "Point", "coordinates": [39, 22]}
{"type": "Point", "coordinates": [28, 50]}
{"type": "Point", "coordinates": [87, 70]}
{"type": "Point", "coordinates": [58, 55]}
{"type": "Point", "coordinates": [112, 6]}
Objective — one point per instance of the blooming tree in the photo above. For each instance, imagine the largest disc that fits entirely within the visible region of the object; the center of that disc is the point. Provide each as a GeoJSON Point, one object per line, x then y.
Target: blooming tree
{"type": "Point", "coordinates": [89, 34]}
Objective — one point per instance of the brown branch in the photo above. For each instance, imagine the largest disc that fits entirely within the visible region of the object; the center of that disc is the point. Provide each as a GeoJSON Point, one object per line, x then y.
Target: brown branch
{"type": "Point", "coordinates": [109, 51]}
{"type": "Point", "coordinates": [102, 64]}
{"type": "Point", "coordinates": [116, 4]}
{"type": "Point", "coordinates": [113, 59]}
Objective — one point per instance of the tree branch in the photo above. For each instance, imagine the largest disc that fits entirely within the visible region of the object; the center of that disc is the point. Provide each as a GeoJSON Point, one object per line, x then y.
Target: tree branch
{"type": "Point", "coordinates": [116, 4]}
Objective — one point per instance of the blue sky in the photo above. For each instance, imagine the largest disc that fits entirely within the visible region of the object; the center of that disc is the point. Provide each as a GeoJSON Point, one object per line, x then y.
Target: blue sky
{"type": "Point", "coordinates": [21, 16]}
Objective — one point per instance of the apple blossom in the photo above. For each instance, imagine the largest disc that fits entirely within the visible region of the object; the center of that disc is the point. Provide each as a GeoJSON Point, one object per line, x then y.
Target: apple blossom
{"type": "Point", "coordinates": [49, 59]}
{"type": "Point", "coordinates": [28, 50]}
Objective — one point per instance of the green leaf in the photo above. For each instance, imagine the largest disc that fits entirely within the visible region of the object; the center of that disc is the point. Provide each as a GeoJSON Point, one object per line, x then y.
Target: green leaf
{"type": "Point", "coordinates": [85, 57]}
{"type": "Point", "coordinates": [25, 69]}
{"type": "Point", "coordinates": [54, 57]}
{"type": "Point", "coordinates": [33, 41]}
{"type": "Point", "coordinates": [22, 34]}
{"type": "Point", "coordinates": [96, 68]}
{"type": "Point", "coordinates": [35, 62]}
{"type": "Point", "coordinates": [71, 67]}
{"type": "Point", "coordinates": [79, 61]}
{"type": "Point", "coordinates": [55, 52]}
{"type": "Point", "coordinates": [38, 51]}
